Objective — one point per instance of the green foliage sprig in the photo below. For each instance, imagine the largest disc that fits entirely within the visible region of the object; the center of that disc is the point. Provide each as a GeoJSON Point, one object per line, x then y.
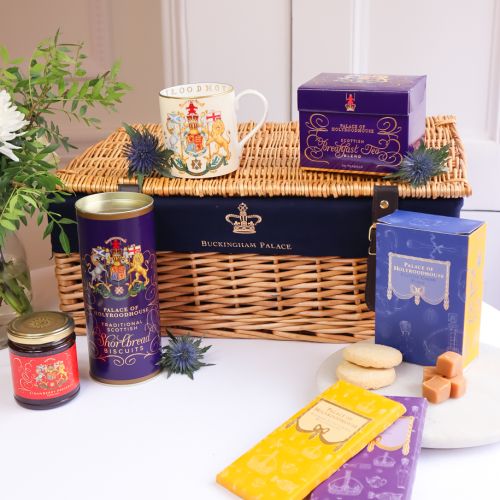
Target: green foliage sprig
{"type": "Point", "coordinates": [52, 82]}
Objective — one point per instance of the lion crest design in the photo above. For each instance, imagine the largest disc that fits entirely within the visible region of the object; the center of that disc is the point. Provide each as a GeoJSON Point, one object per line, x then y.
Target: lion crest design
{"type": "Point", "coordinates": [198, 138]}
{"type": "Point", "coordinates": [51, 375]}
{"type": "Point", "coordinates": [117, 270]}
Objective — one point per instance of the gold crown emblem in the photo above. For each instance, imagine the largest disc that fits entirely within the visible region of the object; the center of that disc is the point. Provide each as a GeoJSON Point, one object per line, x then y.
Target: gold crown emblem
{"type": "Point", "coordinates": [243, 223]}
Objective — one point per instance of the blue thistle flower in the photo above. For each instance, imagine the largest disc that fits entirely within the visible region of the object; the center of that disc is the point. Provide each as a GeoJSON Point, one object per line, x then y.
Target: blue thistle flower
{"type": "Point", "coordinates": [145, 155]}
{"type": "Point", "coordinates": [183, 355]}
{"type": "Point", "coordinates": [420, 164]}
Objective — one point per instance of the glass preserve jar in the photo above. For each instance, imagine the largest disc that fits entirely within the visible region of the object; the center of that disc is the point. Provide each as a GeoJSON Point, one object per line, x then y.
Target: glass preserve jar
{"type": "Point", "coordinates": [15, 284]}
{"type": "Point", "coordinates": [43, 359]}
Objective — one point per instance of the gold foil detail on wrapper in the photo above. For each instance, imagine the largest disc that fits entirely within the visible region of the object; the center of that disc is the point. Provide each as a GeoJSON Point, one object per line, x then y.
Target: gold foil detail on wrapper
{"type": "Point", "coordinates": [332, 423]}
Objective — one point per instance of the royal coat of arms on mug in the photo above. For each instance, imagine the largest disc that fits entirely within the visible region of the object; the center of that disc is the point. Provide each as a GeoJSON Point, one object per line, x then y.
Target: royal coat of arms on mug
{"type": "Point", "coordinates": [200, 127]}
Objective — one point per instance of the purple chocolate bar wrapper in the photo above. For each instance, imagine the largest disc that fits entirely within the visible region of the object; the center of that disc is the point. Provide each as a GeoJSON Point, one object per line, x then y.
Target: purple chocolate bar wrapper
{"type": "Point", "coordinates": [385, 469]}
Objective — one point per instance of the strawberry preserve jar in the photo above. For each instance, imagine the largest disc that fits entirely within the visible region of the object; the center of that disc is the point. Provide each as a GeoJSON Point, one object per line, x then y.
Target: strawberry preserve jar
{"type": "Point", "coordinates": [43, 359]}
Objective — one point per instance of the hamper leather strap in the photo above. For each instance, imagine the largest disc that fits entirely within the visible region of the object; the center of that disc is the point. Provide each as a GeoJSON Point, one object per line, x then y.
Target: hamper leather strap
{"type": "Point", "coordinates": [385, 201]}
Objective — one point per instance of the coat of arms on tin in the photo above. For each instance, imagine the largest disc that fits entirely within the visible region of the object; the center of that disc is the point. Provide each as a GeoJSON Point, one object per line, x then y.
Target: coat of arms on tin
{"type": "Point", "coordinates": [199, 139]}
{"type": "Point", "coordinates": [117, 270]}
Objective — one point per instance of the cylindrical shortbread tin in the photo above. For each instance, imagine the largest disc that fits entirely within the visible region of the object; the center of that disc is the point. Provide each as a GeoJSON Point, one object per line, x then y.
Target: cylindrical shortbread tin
{"type": "Point", "coordinates": [117, 250]}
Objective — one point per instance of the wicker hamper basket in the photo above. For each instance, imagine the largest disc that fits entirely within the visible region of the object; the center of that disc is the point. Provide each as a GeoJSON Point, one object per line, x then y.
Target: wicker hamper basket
{"type": "Point", "coordinates": [317, 299]}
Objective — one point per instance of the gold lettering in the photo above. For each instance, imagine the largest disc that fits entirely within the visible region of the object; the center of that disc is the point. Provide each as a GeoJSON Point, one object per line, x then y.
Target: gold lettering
{"type": "Point", "coordinates": [275, 246]}
{"type": "Point", "coordinates": [114, 341]}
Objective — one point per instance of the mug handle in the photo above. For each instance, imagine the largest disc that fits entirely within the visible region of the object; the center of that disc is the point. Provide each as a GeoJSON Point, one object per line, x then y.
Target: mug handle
{"type": "Point", "coordinates": [261, 121]}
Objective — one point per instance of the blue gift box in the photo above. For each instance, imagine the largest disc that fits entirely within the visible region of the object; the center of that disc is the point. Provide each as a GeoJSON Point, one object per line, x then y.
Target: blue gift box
{"type": "Point", "coordinates": [429, 285]}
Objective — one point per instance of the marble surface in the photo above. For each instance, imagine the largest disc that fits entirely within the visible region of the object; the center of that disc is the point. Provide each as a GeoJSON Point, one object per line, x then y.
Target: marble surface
{"type": "Point", "coordinates": [447, 425]}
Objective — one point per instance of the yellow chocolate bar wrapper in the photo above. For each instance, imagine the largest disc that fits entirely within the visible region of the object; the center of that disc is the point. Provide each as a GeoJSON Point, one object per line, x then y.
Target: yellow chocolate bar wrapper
{"type": "Point", "coordinates": [309, 447]}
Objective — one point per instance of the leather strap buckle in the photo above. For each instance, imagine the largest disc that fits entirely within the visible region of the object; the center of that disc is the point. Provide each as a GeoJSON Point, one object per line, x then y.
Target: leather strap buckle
{"type": "Point", "coordinates": [371, 232]}
{"type": "Point", "coordinates": [385, 201]}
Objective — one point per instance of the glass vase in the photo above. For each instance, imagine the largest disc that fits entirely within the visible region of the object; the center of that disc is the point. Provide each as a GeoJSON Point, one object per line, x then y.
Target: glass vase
{"type": "Point", "coordinates": [15, 284]}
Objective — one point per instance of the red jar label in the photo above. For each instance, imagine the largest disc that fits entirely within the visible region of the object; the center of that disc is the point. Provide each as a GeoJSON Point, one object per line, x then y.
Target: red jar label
{"type": "Point", "coordinates": [45, 377]}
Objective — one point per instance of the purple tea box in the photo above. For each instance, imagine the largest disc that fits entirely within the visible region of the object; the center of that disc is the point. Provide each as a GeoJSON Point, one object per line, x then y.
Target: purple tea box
{"type": "Point", "coordinates": [385, 469]}
{"type": "Point", "coordinates": [360, 123]}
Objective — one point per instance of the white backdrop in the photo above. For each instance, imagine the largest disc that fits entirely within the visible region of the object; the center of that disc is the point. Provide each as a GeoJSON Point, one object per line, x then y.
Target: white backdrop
{"type": "Point", "coordinates": [273, 46]}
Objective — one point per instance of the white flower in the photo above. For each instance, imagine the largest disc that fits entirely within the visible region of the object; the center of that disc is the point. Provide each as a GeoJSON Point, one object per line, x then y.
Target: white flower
{"type": "Point", "coordinates": [11, 121]}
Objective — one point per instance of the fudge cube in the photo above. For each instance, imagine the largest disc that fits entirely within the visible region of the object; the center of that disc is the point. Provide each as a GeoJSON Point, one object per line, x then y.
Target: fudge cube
{"type": "Point", "coordinates": [429, 372]}
{"type": "Point", "coordinates": [449, 364]}
{"type": "Point", "coordinates": [436, 390]}
{"type": "Point", "coordinates": [458, 386]}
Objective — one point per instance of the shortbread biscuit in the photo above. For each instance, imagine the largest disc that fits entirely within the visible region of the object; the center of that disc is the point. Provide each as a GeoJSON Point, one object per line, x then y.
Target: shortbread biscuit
{"type": "Point", "coordinates": [372, 355]}
{"type": "Point", "coordinates": [367, 378]}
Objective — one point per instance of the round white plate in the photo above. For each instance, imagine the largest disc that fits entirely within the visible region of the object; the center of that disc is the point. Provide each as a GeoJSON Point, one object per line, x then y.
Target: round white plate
{"type": "Point", "coordinates": [472, 420]}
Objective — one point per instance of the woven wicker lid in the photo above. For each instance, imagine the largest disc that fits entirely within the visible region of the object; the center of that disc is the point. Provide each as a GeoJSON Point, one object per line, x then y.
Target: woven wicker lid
{"type": "Point", "coordinates": [269, 167]}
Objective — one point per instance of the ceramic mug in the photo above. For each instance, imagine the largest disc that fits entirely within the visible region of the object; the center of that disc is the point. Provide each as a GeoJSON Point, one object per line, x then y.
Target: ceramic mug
{"type": "Point", "coordinates": [199, 125]}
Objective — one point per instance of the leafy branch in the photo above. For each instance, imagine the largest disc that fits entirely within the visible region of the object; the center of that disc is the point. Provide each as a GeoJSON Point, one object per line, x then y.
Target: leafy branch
{"type": "Point", "coordinates": [55, 82]}
{"type": "Point", "coordinates": [52, 82]}
{"type": "Point", "coordinates": [31, 187]}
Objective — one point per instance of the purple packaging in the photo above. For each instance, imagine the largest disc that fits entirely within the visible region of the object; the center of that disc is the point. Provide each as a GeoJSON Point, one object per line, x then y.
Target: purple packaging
{"type": "Point", "coordinates": [385, 469]}
{"type": "Point", "coordinates": [360, 123]}
{"type": "Point", "coordinates": [118, 259]}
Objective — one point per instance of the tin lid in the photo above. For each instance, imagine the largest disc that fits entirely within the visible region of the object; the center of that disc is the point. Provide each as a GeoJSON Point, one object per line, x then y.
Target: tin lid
{"type": "Point", "coordinates": [362, 94]}
{"type": "Point", "coordinates": [40, 327]}
{"type": "Point", "coordinates": [114, 206]}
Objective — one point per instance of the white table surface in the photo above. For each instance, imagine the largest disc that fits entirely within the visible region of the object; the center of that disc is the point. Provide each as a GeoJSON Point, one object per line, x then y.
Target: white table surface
{"type": "Point", "coordinates": [167, 438]}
